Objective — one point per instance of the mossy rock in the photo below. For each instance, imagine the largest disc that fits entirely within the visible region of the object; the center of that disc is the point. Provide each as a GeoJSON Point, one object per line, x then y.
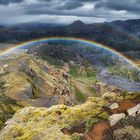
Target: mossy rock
{"type": "Point", "coordinates": [42, 123]}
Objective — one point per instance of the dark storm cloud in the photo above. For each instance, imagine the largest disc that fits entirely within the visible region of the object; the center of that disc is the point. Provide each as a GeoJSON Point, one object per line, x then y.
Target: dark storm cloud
{"type": "Point", "coordinates": [128, 5]}
{"type": "Point", "coordinates": [68, 10]}
{"type": "Point", "coordinates": [6, 2]}
{"type": "Point", "coordinates": [53, 7]}
{"type": "Point", "coordinates": [70, 5]}
{"type": "Point", "coordinates": [58, 7]}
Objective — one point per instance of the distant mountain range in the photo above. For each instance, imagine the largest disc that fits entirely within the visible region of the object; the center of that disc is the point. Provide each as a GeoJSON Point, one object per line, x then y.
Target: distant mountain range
{"type": "Point", "coordinates": [121, 35]}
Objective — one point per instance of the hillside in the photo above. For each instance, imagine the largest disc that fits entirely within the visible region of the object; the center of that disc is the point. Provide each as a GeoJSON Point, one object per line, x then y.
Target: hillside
{"type": "Point", "coordinates": [60, 92]}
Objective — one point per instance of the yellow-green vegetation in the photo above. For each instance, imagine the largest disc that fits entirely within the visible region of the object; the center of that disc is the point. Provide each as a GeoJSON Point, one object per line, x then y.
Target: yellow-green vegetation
{"type": "Point", "coordinates": [47, 123]}
{"type": "Point", "coordinates": [87, 80]}
{"type": "Point", "coordinates": [41, 123]}
{"type": "Point", "coordinates": [127, 96]}
{"type": "Point", "coordinates": [83, 83]}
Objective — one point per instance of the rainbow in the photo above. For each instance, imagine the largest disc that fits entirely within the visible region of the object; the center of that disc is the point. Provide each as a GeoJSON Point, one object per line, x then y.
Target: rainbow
{"type": "Point", "coordinates": [71, 39]}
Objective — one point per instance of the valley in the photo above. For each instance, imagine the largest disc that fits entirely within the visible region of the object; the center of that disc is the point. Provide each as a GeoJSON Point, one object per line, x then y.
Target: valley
{"type": "Point", "coordinates": [69, 88]}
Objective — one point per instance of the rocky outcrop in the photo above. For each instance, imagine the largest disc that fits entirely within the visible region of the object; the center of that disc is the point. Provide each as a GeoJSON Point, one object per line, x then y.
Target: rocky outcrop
{"type": "Point", "coordinates": [127, 133]}
{"type": "Point", "coordinates": [43, 123]}
{"type": "Point", "coordinates": [88, 121]}
{"type": "Point", "coordinates": [35, 82]}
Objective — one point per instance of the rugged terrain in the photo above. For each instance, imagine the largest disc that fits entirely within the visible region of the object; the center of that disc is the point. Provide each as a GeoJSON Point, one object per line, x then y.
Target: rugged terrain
{"type": "Point", "coordinates": [57, 93]}
{"type": "Point", "coordinates": [110, 117]}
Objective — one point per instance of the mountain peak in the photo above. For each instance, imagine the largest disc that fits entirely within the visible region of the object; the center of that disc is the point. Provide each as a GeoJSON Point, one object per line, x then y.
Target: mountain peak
{"type": "Point", "coordinates": [78, 22]}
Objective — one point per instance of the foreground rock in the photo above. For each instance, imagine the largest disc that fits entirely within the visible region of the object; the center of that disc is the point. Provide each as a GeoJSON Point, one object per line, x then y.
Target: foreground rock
{"type": "Point", "coordinates": [88, 121]}
{"type": "Point", "coordinates": [134, 111]}
{"type": "Point", "coordinates": [41, 123]}
{"type": "Point", "coordinates": [116, 118]}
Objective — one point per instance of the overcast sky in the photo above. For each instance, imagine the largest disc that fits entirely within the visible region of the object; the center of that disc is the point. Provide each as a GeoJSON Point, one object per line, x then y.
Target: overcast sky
{"type": "Point", "coordinates": [67, 11]}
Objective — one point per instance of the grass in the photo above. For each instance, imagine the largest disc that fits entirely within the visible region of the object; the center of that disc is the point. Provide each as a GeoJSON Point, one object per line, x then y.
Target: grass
{"type": "Point", "coordinates": [79, 96]}
{"type": "Point", "coordinates": [74, 71]}
{"type": "Point", "coordinates": [55, 62]}
{"type": "Point", "coordinates": [87, 80]}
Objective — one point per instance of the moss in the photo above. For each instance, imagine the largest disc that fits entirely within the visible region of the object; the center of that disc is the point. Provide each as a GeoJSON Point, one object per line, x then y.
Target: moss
{"type": "Point", "coordinates": [104, 115]}
{"type": "Point", "coordinates": [43, 123]}
{"type": "Point", "coordinates": [126, 95]}
{"type": "Point", "coordinates": [90, 122]}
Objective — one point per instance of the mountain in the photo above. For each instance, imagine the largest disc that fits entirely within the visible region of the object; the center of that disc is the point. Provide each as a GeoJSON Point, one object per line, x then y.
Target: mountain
{"type": "Point", "coordinates": [130, 26]}
{"type": "Point", "coordinates": [77, 23]}
{"type": "Point", "coordinates": [120, 35]}
{"type": "Point", "coordinates": [32, 26]}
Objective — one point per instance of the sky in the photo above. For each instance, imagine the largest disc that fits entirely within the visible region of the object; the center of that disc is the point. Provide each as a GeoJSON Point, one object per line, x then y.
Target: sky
{"type": "Point", "coordinates": [67, 11]}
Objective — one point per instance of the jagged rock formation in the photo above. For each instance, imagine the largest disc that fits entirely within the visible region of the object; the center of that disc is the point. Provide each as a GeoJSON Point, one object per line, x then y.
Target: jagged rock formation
{"type": "Point", "coordinates": [34, 82]}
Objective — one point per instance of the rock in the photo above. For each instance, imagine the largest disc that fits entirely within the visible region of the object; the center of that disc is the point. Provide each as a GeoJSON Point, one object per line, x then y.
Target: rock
{"type": "Point", "coordinates": [127, 133]}
{"type": "Point", "coordinates": [124, 105]}
{"type": "Point", "coordinates": [17, 86]}
{"type": "Point", "coordinates": [113, 106]}
{"type": "Point", "coordinates": [2, 72]}
{"type": "Point", "coordinates": [82, 71]}
{"type": "Point", "coordinates": [48, 123]}
{"type": "Point", "coordinates": [110, 96]}
{"type": "Point", "coordinates": [113, 119]}
{"type": "Point", "coordinates": [103, 88]}
{"type": "Point", "coordinates": [134, 110]}
{"type": "Point", "coordinates": [72, 63]}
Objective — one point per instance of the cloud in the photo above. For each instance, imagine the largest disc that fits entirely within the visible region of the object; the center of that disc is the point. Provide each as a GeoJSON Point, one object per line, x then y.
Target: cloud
{"type": "Point", "coordinates": [58, 11]}
{"type": "Point", "coordinates": [6, 2]}
{"type": "Point", "coordinates": [127, 5]}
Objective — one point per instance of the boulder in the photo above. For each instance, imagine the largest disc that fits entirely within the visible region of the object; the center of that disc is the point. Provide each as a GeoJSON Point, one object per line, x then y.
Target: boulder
{"type": "Point", "coordinates": [113, 106]}
{"type": "Point", "coordinates": [134, 110]}
{"type": "Point", "coordinates": [113, 119]}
